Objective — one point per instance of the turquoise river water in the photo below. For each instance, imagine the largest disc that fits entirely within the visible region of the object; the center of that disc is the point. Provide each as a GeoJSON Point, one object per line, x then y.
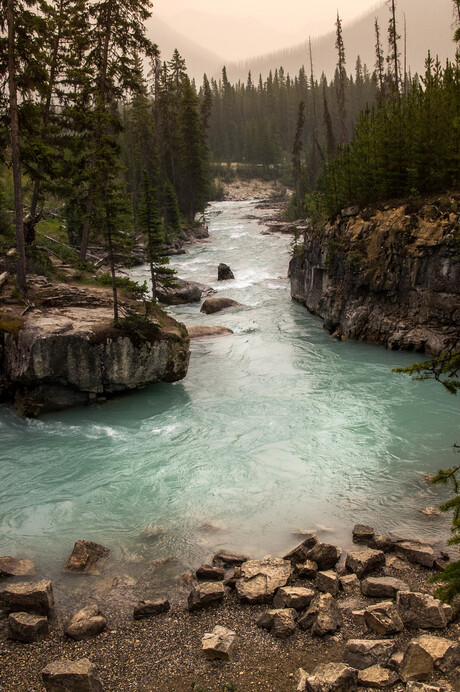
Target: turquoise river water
{"type": "Point", "coordinates": [276, 428]}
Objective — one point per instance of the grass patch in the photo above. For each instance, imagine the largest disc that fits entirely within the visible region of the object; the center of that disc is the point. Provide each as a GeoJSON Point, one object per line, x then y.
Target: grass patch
{"type": "Point", "coordinates": [11, 324]}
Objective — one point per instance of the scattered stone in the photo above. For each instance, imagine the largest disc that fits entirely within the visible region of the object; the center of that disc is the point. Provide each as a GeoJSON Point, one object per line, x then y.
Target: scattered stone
{"type": "Point", "coordinates": [417, 664]}
{"type": "Point", "coordinates": [209, 573]}
{"type": "Point", "coordinates": [331, 677]}
{"type": "Point", "coordinates": [328, 582]}
{"type": "Point", "coordinates": [323, 616]}
{"type": "Point", "coordinates": [212, 305]}
{"type": "Point", "coordinates": [260, 579]}
{"type": "Point", "coordinates": [205, 594]}
{"type": "Point", "coordinates": [420, 610]}
{"type": "Point", "coordinates": [147, 609]}
{"type": "Point", "coordinates": [197, 331]}
{"type": "Point", "coordinates": [350, 584]}
{"type": "Point", "coordinates": [365, 560]}
{"type": "Point", "coordinates": [377, 677]}
{"type": "Point", "coordinates": [382, 542]}
{"type": "Point", "coordinates": [280, 622]}
{"type": "Point", "coordinates": [220, 643]}
{"type": "Point", "coordinates": [293, 597]}
{"type": "Point", "coordinates": [412, 551]}
{"type": "Point", "coordinates": [16, 567]}
{"type": "Point", "coordinates": [359, 617]}
{"type": "Point", "coordinates": [226, 557]}
{"type": "Point", "coordinates": [224, 273]}
{"type": "Point", "coordinates": [71, 676]}
{"type": "Point", "coordinates": [35, 597]}
{"type": "Point", "coordinates": [87, 623]}
{"type": "Point", "coordinates": [383, 618]}
{"type": "Point", "coordinates": [306, 570]}
{"type": "Point", "coordinates": [299, 554]}
{"type": "Point", "coordinates": [382, 587]}
{"type": "Point", "coordinates": [365, 653]}
{"type": "Point", "coordinates": [85, 556]}
{"type": "Point", "coordinates": [325, 555]}
{"type": "Point", "coordinates": [362, 533]}
{"type": "Point", "coordinates": [27, 628]}
{"type": "Point", "coordinates": [444, 652]}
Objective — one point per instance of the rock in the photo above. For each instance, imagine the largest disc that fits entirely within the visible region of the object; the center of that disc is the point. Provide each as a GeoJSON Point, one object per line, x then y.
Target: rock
{"type": "Point", "coordinates": [419, 610]}
{"type": "Point", "coordinates": [324, 554]}
{"type": "Point", "coordinates": [377, 677]}
{"type": "Point", "coordinates": [350, 584]}
{"type": "Point", "coordinates": [85, 556]}
{"type": "Point", "coordinates": [359, 617]}
{"type": "Point", "coordinates": [16, 567]}
{"type": "Point", "coordinates": [302, 676]}
{"type": "Point", "coordinates": [417, 664]}
{"type": "Point", "coordinates": [260, 579]}
{"type": "Point", "coordinates": [227, 558]}
{"type": "Point", "coordinates": [306, 570]}
{"type": "Point", "coordinates": [212, 305]}
{"type": "Point", "coordinates": [330, 677]}
{"type": "Point", "coordinates": [323, 616]}
{"type": "Point", "coordinates": [350, 211]}
{"type": "Point", "coordinates": [382, 542]}
{"type": "Point", "coordinates": [421, 687]}
{"type": "Point", "coordinates": [220, 643]}
{"type": "Point", "coordinates": [362, 533]}
{"type": "Point", "coordinates": [365, 560]}
{"type": "Point", "coordinates": [394, 662]}
{"type": "Point", "coordinates": [205, 594]}
{"type": "Point", "coordinates": [71, 676]}
{"type": "Point", "coordinates": [153, 531]}
{"type": "Point", "coordinates": [224, 273]}
{"type": "Point", "coordinates": [147, 609]}
{"type": "Point", "coordinates": [209, 573]}
{"type": "Point", "coordinates": [299, 554]}
{"type": "Point", "coordinates": [328, 582]}
{"type": "Point", "coordinates": [412, 551]}
{"type": "Point", "coordinates": [293, 597]}
{"type": "Point", "coordinates": [444, 652]}
{"type": "Point", "coordinates": [35, 597]}
{"type": "Point", "coordinates": [382, 587]}
{"type": "Point", "coordinates": [383, 618]}
{"type": "Point", "coordinates": [197, 331]}
{"type": "Point", "coordinates": [365, 653]}
{"type": "Point", "coordinates": [182, 293]}
{"type": "Point", "coordinates": [280, 622]}
{"type": "Point", "coordinates": [27, 628]}
{"type": "Point", "coordinates": [87, 623]}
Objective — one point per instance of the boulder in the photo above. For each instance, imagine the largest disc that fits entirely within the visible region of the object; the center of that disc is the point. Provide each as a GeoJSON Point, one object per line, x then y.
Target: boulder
{"type": "Point", "coordinates": [306, 570]}
{"type": "Point", "coordinates": [350, 211]}
{"type": "Point", "coordinates": [330, 677]}
{"type": "Point", "coordinates": [323, 616]}
{"type": "Point", "coordinates": [16, 567]}
{"type": "Point", "coordinates": [383, 618]}
{"type": "Point", "coordinates": [382, 587]}
{"type": "Point", "coordinates": [229, 558]}
{"type": "Point", "coordinates": [71, 676]}
{"type": "Point", "coordinates": [413, 551]}
{"type": "Point", "coordinates": [197, 331]}
{"type": "Point", "coordinates": [181, 293]}
{"type": "Point", "coordinates": [301, 676]}
{"type": "Point", "coordinates": [362, 533]}
{"type": "Point", "coordinates": [27, 628]}
{"type": "Point", "coordinates": [350, 584]}
{"type": "Point", "coordinates": [260, 579]}
{"type": "Point", "coordinates": [382, 542]}
{"type": "Point", "coordinates": [293, 597]}
{"type": "Point", "coordinates": [328, 582]}
{"type": "Point", "coordinates": [417, 664]}
{"type": "Point", "coordinates": [224, 273]}
{"type": "Point", "coordinates": [206, 594]}
{"type": "Point", "coordinates": [85, 556]}
{"type": "Point", "coordinates": [209, 573]}
{"type": "Point", "coordinates": [444, 652]}
{"type": "Point", "coordinates": [87, 623]}
{"type": "Point", "coordinates": [35, 597]}
{"type": "Point", "coordinates": [394, 662]}
{"type": "Point", "coordinates": [212, 305]}
{"type": "Point", "coordinates": [364, 560]}
{"type": "Point", "coordinates": [147, 609]}
{"type": "Point", "coordinates": [377, 677]}
{"type": "Point", "coordinates": [365, 653]}
{"type": "Point", "coordinates": [280, 622]}
{"type": "Point", "coordinates": [299, 554]}
{"type": "Point", "coordinates": [324, 554]}
{"type": "Point", "coordinates": [220, 643]}
{"type": "Point", "coordinates": [420, 610]}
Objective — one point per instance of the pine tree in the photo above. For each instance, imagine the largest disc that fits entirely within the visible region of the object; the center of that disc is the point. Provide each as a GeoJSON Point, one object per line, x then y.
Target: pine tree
{"type": "Point", "coordinates": [297, 153]}
{"type": "Point", "coordinates": [393, 53]}
{"type": "Point", "coordinates": [342, 76]}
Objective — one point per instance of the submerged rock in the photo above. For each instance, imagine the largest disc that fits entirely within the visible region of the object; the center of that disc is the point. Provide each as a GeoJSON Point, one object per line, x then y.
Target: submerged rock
{"type": "Point", "coordinates": [147, 609]}
{"type": "Point", "coordinates": [85, 556]}
{"type": "Point", "coordinates": [16, 567]}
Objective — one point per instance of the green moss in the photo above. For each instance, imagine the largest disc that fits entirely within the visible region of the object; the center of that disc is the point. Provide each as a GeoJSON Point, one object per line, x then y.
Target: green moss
{"type": "Point", "coordinates": [11, 324]}
{"type": "Point", "coordinates": [353, 261]}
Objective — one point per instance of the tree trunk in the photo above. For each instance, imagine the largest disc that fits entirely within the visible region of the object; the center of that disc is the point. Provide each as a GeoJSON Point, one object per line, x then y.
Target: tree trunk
{"type": "Point", "coordinates": [112, 270]}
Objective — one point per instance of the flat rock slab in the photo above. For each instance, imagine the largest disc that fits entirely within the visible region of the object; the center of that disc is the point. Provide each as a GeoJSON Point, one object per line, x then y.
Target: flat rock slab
{"type": "Point", "coordinates": [383, 618]}
{"type": "Point", "coordinates": [420, 610]}
{"type": "Point", "coordinates": [148, 609]}
{"type": "Point", "coordinates": [212, 305]}
{"type": "Point", "coordinates": [206, 594]}
{"type": "Point", "coordinates": [377, 677]}
{"type": "Point", "coordinates": [87, 623]}
{"type": "Point", "coordinates": [330, 677]}
{"type": "Point", "coordinates": [229, 558]}
{"type": "Point", "coordinates": [220, 643]}
{"type": "Point", "coordinates": [420, 553]}
{"type": "Point", "coordinates": [281, 622]}
{"type": "Point", "coordinates": [71, 676]}
{"type": "Point", "coordinates": [364, 560]}
{"type": "Point", "coordinates": [295, 597]}
{"type": "Point", "coordinates": [27, 628]}
{"type": "Point", "coordinates": [85, 556]}
{"type": "Point", "coordinates": [365, 653]}
{"type": "Point", "coordinates": [260, 579]}
{"type": "Point", "coordinates": [30, 597]}
{"type": "Point", "coordinates": [382, 587]}
{"type": "Point", "coordinates": [16, 567]}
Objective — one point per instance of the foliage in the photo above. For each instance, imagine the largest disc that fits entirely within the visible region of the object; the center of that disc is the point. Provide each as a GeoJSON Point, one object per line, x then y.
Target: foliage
{"type": "Point", "coordinates": [444, 369]}
{"type": "Point", "coordinates": [134, 289]}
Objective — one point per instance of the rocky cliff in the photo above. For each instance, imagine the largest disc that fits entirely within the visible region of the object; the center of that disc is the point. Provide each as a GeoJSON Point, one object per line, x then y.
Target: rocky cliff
{"type": "Point", "coordinates": [389, 276]}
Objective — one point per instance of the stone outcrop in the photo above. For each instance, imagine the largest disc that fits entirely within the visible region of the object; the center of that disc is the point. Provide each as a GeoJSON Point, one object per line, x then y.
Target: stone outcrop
{"type": "Point", "coordinates": [377, 677]}
{"type": "Point", "coordinates": [322, 617]}
{"type": "Point", "coordinates": [325, 555]}
{"type": "Point", "coordinates": [414, 551]}
{"type": "Point", "coordinates": [198, 331]}
{"type": "Point", "coordinates": [181, 293]}
{"type": "Point", "coordinates": [420, 610]}
{"type": "Point", "coordinates": [386, 276]}
{"type": "Point", "coordinates": [295, 597]}
{"type": "Point", "coordinates": [71, 676]}
{"type": "Point", "coordinates": [365, 653]}
{"type": "Point", "coordinates": [229, 558]}
{"type": "Point", "coordinates": [383, 618]}
{"type": "Point", "coordinates": [210, 573]}
{"type": "Point", "coordinates": [382, 587]}
{"type": "Point", "coordinates": [364, 561]}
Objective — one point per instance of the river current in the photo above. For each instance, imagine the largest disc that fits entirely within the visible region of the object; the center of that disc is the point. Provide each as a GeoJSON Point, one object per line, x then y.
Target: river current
{"type": "Point", "coordinates": [275, 428]}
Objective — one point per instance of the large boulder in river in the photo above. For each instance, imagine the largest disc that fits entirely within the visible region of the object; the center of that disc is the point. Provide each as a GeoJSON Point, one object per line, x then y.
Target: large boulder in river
{"type": "Point", "coordinates": [212, 305]}
{"type": "Point", "coordinates": [181, 293]}
{"type": "Point", "coordinates": [260, 579]}
{"type": "Point", "coordinates": [224, 273]}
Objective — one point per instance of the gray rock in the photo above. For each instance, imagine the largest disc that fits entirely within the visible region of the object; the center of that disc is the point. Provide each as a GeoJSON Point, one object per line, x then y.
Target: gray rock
{"type": "Point", "coordinates": [293, 597]}
{"type": "Point", "coordinates": [182, 293]}
{"type": "Point", "coordinates": [444, 652]}
{"type": "Point", "coordinates": [383, 618]}
{"type": "Point", "coordinates": [147, 609]}
{"type": "Point", "coordinates": [365, 653]}
{"type": "Point", "coordinates": [306, 570]}
{"type": "Point", "coordinates": [365, 560]}
{"type": "Point", "coordinates": [377, 677]}
{"type": "Point", "coordinates": [332, 677]}
{"type": "Point", "coordinates": [35, 597]}
{"type": "Point", "coordinates": [71, 676]}
{"type": "Point", "coordinates": [412, 551]}
{"type": "Point", "coordinates": [229, 558]}
{"type": "Point", "coordinates": [206, 594]}
{"type": "Point", "coordinates": [362, 533]}
{"type": "Point", "coordinates": [324, 554]}
{"type": "Point", "coordinates": [328, 582]}
{"type": "Point", "coordinates": [417, 664]}
{"type": "Point", "coordinates": [419, 610]}
{"type": "Point", "coordinates": [212, 305]}
{"type": "Point", "coordinates": [299, 554]}
{"type": "Point", "coordinates": [85, 556]}
{"type": "Point", "coordinates": [220, 643]}
{"type": "Point", "coordinates": [260, 579]}
{"type": "Point", "coordinates": [16, 567]}
{"type": "Point", "coordinates": [27, 628]}
{"type": "Point", "coordinates": [280, 622]}
{"type": "Point", "coordinates": [209, 573]}
{"type": "Point", "coordinates": [323, 616]}
{"type": "Point", "coordinates": [224, 273]}
{"type": "Point", "coordinates": [350, 584]}
{"type": "Point", "coordinates": [87, 623]}
{"type": "Point", "coordinates": [382, 587]}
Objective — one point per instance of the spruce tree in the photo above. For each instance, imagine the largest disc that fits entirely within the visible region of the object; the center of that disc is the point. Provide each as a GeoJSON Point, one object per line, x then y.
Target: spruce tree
{"type": "Point", "coordinates": [342, 76]}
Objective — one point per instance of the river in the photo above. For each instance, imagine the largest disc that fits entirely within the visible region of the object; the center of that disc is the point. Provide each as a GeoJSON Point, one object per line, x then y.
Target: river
{"type": "Point", "coordinates": [276, 428]}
